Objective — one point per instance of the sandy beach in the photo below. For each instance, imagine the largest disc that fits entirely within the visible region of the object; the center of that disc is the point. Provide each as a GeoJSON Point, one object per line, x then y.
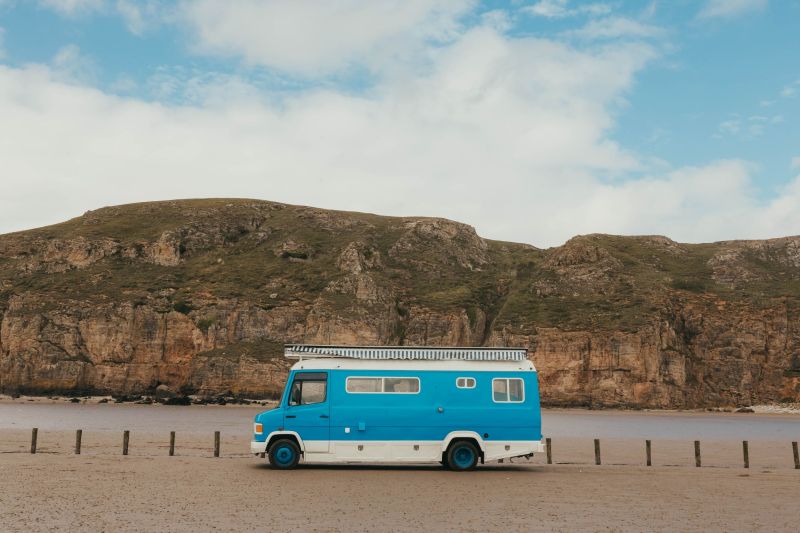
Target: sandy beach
{"type": "Point", "coordinates": [102, 490]}
{"type": "Point", "coordinates": [48, 491]}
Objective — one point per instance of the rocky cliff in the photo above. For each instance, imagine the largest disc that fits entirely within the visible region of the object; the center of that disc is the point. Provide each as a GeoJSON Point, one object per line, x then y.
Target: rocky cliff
{"type": "Point", "coordinates": [200, 295]}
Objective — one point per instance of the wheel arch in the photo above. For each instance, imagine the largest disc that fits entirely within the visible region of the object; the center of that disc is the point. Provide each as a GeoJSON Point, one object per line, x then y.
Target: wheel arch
{"type": "Point", "coordinates": [463, 435]}
{"type": "Point", "coordinates": [471, 436]}
{"type": "Point", "coordinates": [293, 435]}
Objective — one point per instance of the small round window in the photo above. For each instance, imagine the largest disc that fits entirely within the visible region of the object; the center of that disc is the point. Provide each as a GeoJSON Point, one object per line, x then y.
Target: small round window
{"type": "Point", "coordinates": [465, 383]}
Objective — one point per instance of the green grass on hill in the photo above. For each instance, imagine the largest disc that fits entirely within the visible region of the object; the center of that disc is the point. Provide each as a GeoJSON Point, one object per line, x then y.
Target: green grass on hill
{"type": "Point", "coordinates": [231, 250]}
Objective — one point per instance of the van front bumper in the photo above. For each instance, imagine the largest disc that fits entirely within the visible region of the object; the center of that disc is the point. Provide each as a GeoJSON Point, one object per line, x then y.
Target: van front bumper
{"type": "Point", "coordinates": [257, 447]}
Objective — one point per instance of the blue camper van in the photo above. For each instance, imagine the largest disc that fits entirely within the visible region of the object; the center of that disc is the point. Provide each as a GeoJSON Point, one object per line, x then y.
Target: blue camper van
{"type": "Point", "coordinates": [455, 406]}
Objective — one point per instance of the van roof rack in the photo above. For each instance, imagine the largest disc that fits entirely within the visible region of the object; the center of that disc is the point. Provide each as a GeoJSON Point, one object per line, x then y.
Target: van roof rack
{"type": "Point", "coordinates": [430, 353]}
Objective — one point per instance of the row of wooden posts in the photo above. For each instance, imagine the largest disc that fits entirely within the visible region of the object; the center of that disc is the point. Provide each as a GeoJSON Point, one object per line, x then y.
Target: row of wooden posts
{"type": "Point", "coordinates": [648, 449]}
{"type": "Point", "coordinates": [126, 437]}
{"type": "Point", "coordinates": [549, 447]}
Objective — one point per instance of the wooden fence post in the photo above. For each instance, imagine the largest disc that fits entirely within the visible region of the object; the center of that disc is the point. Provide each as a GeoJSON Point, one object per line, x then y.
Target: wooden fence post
{"type": "Point", "coordinates": [126, 436]}
{"type": "Point", "coordinates": [171, 443]}
{"type": "Point", "coordinates": [647, 450]}
{"type": "Point", "coordinates": [216, 444]}
{"type": "Point", "coordinates": [796, 456]}
{"type": "Point", "coordinates": [697, 462]}
{"type": "Point", "coordinates": [34, 436]}
{"type": "Point", "coordinates": [78, 437]}
{"type": "Point", "coordinates": [549, 450]}
{"type": "Point", "coordinates": [597, 451]}
{"type": "Point", "coordinates": [746, 453]}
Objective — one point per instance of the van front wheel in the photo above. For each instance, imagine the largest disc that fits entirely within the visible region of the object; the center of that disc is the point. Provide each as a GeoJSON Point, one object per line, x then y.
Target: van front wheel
{"type": "Point", "coordinates": [284, 454]}
{"type": "Point", "coordinates": [462, 456]}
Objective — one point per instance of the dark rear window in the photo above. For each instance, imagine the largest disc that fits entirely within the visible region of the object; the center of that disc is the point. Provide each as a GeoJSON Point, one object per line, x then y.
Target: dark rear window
{"type": "Point", "coordinates": [311, 376]}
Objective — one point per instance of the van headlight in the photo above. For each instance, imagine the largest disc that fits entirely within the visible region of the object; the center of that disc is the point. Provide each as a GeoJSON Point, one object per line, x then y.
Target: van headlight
{"type": "Point", "coordinates": [258, 429]}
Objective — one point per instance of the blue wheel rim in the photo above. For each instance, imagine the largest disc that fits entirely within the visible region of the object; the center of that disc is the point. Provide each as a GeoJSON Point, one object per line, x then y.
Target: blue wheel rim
{"type": "Point", "coordinates": [284, 455]}
{"type": "Point", "coordinates": [463, 457]}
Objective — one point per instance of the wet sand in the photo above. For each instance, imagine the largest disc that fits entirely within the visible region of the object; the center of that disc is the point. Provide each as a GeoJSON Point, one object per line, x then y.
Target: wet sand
{"type": "Point", "coordinates": [45, 414]}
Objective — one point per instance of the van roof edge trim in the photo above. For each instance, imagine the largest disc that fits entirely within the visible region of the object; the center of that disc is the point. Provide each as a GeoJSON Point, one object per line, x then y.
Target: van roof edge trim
{"type": "Point", "coordinates": [431, 353]}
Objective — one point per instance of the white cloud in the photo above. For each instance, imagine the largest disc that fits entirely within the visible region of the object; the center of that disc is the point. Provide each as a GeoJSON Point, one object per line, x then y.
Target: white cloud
{"type": "Point", "coordinates": [141, 15]}
{"type": "Point", "coordinates": [795, 162]}
{"type": "Point", "coordinates": [730, 8]}
{"type": "Point", "coordinates": [548, 8]}
{"type": "Point", "coordinates": [781, 216]}
{"type": "Point", "coordinates": [70, 65]}
{"type": "Point", "coordinates": [138, 15]}
{"type": "Point", "coordinates": [615, 28]}
{"type": "Point", "coordinates": [498, 19]}
{"type": "Point", "coordinates": [2, 43]}
{"type": "Point", "coordinates": [756, 130]}
{"type": "Point", "coordinates": [749, 128]}
{"type": "Point", "coordinates": [493, 122]}
{"type": "Point", "coordinates": [313, 38]}
{"type": "Point", "coordinates": [713, 202]}
{"type": "Point", "coordinates": [563, 8]}
{"type": "Point", "coordinates": [131, 12]}
{"type": "Point", "coordinates": [731, 126]}
{"type": "Point", "coordinates": [788, 91]}
{"type": "Point", "coordinates": [123, 85]}
{"type": "Point", "coordinates": [73, 7]}
{"type": "Point", "coordinates": [510, 134]}
{"type": "Point", "coordinates": [650, 10]}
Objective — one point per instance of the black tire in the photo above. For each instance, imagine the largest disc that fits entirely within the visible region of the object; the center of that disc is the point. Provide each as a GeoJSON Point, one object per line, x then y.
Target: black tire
{"type": "Point", "coordinates": [462, 456]}
{"type": "Point", "coordinates": [284, 454]}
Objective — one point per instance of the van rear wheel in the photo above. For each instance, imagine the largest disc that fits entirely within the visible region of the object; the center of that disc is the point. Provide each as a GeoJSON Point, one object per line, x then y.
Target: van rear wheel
{"type": "Point", "coordinates": [284, 454]}
{"type": "Point", "coordinates": [462, 456]}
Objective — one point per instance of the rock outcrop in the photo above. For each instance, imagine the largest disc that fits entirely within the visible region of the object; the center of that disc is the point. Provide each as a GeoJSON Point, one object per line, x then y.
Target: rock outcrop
{"type": "Point", "coordinates": [199, 296]}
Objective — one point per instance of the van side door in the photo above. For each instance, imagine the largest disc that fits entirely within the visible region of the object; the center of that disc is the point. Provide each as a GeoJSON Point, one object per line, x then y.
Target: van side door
{"type": "Point", "coordinates": [308, 410]}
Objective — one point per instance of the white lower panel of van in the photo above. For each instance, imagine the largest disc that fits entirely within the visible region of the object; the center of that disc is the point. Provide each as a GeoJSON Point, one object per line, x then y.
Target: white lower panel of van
{"type": "Point", "coordinates": [412, 451]}
{"type": "Point", "coordinates": [395, 451]}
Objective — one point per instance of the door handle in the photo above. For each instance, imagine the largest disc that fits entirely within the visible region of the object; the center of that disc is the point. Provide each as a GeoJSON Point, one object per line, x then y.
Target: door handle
{"type": "Point", "coordinates": [323, 416]}
{"type": "Point", "coordinates": [291, 416]}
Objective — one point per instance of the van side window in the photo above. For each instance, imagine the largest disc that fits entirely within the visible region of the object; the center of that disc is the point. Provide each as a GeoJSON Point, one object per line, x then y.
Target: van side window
{"type": "Point", "coordinates": [382, 385]}
{"type": "Point", "coordinates": [403, 385]}
{"type": "Point", "coordinates": [308, 388]}
{"type": "Point", "coordinates": [508, 390]}
{"type": "Point", "coordinates": [465, 383]}
{"type": "Point", "coordinates": [364, 385]}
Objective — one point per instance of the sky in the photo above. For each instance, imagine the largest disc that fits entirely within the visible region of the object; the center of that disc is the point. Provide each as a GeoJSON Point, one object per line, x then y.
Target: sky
{"type": "Point", "coordinates": [532, 120]}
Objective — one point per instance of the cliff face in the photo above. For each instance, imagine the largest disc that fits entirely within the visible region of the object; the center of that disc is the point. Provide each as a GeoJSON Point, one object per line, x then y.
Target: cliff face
{"type": "Point", "coordinates": [200, 295]}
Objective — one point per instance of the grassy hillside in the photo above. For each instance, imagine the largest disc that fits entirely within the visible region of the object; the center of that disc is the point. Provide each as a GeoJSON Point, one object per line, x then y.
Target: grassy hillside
{"type": "Point", "coordinates": [272, 253]}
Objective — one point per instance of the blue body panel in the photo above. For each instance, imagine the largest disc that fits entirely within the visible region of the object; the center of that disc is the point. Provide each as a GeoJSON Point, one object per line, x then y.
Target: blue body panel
{"type": "Point", "coordinates": [438, 409]}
